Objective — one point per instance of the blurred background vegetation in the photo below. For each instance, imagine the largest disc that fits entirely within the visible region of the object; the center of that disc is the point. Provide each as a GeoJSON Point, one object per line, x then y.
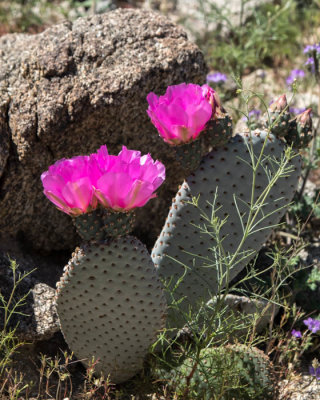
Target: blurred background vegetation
{"type": "Point", "coordinates": [269, 36]}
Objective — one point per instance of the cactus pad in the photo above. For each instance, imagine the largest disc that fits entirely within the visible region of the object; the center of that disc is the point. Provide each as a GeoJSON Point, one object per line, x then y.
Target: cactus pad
{"type": "Point", "coordinates": [90, 225]}
{"type": "Point", "coordinates": [300, 132]}
{"type": "Point", "coordinates": [189, 155]}
{"type": "Point", "coordinates": [279, 117]}
{"type": "Point", "coordinates": [102, 223]}
{"type": "Point", "coordinates": [228, 172]}
{"type": "Point", "coordinates": [111, 305]}
{"type": "Point", "coordinates": [231, 372]}
{"type": "Point", "coordinates": [218, 131]}
{"type": "Point", "coordinates": [279, 123]}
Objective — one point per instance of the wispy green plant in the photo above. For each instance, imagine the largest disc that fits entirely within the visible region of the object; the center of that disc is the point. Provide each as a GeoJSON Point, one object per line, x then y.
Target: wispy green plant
{"type": "Point", "coordinates": [82, 8]}
{"type": "Point", "coordinates": [249, 40]}
{"type": "Point", "coordinates": [23, 15]}
{"type": "Point", "coordinates": [212, 324]}
{"type": "Point", "coordinates": [35, 15]}
{"type": "Point", "coordinates": [9, 342]}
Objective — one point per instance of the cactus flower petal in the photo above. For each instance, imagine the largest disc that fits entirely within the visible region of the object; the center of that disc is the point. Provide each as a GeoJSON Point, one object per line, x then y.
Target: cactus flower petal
{"type": "Point", "coordinates": [58, 202]}
{"type": "Point", "coordinates": [182, 113]}
{"type": "Point", "coordinates": [128, 181]}
{"type": "Point", "coordinates": [67, 184]}
{"type": "Point", "coordinates": [121, 182]}
{"type": "Point", "coordinates": [78, 193]}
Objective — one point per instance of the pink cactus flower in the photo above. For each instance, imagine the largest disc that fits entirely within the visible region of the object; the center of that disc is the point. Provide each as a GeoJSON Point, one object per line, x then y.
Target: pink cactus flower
{"type": "Point", "coordinates": [67, 184]}
{"type": "Point", "coordinates": [182, 112]}
{"type": "Point", "coordinates": [121, 183]}
{"type": "Point", "coordinates": [125, 181]}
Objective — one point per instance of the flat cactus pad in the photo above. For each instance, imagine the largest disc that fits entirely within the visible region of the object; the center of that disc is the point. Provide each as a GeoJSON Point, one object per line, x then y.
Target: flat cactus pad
{"type": "Point", "coordinates": [182, 248]}
{"type": "Point", "coordinates": [111, 305]}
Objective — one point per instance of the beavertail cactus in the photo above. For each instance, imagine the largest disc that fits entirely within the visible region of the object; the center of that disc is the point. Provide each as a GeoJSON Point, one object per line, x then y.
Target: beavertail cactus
{"type": "Point", "coordinates": [300, 131]}
{"type": "Point", "coordinates": [218, 130]}
{"type": "Point", "coordinates": [182, 114]}
{"type": "Point", "coordinates": [109, 300]}
{"type": "Point", "coordinates": [225, 176]}
{"type": "Point", "coordinates": [231, 372]}
{"type": "Point", "coordinates": [279, 116]}
{"type": "Point", "coordinates": [111, 305]}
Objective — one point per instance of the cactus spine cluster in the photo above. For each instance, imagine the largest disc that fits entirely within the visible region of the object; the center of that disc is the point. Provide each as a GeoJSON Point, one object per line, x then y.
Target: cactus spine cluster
{"type": "Point", "coordinates": [110, 301]}
{"type": "Point", "coordinates": [227, 173]}
{"type": "Point", "coordinates": [230, 372]}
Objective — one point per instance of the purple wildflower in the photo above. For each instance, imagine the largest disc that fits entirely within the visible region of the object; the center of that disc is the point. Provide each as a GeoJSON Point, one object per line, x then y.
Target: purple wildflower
{"type": "Point", "coordinates": [308, 48]}
{"type": "Point", "coordinates": [216, 77]}
{"type": "Point", "coordinates": [310, 64]}
{"type": "Point", "coordinates": [296, 110]}
{"type": "Point", "coordinates": [312, 324]}
{"type": "Point", "coordinates": [261, 73]}
{"type": "Point", "coordinates": [253, 114]}
{"type": "Point", "coordinates": [310, 61]}
{"type": "Point", "coordinates": [315, 372]}
{"type": "Point", "coordinates": [312, 47]}
{"type": "Point", "coordinates": [296, 334]}
{"type": "Point", "coordinates": [313, 52]}
{"type": "Point", "coordinates": [295, 74]}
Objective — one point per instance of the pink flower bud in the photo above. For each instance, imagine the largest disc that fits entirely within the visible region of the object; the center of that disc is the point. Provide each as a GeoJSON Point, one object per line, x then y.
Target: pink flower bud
{"type": "Point", "coordinates": [304, 119]}
{"type": "Point", "coordinates": [279, 105]}
{"type": "Point", "coordinates": [182, 112]}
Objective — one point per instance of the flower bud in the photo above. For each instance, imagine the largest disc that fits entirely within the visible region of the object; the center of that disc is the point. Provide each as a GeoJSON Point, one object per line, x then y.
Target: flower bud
{"type": "Point", "coordinates": [304, 119]}
{"type": "Point", "coordinates": [279, 105]}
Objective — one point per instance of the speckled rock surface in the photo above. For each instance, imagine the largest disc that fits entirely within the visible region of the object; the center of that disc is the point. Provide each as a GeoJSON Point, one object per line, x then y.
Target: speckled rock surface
{"type": "Point", "coordinates": [72, 88]}
{"type": "Point", "coordinates": [45, 312]}
{"type": "Point", "coordinates": [36, 318]}
{"type": "Point", "coordinates": [302, 387]}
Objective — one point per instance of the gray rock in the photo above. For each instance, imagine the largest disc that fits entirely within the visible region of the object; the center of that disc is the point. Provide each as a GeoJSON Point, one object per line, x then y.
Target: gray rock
{"type": "Point", "coordinates": [72, 88]}
{"type": "Point", "coordinates": [299, 387]}
{"type": "Point", "coordinates": [45, 312]}
{"type": "Point", "coordinates": [35, 318]}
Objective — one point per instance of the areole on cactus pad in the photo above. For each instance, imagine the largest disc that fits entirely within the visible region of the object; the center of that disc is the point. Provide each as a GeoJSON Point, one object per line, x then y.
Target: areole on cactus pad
{"type": "Point", "coordinates": [110, 300]}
